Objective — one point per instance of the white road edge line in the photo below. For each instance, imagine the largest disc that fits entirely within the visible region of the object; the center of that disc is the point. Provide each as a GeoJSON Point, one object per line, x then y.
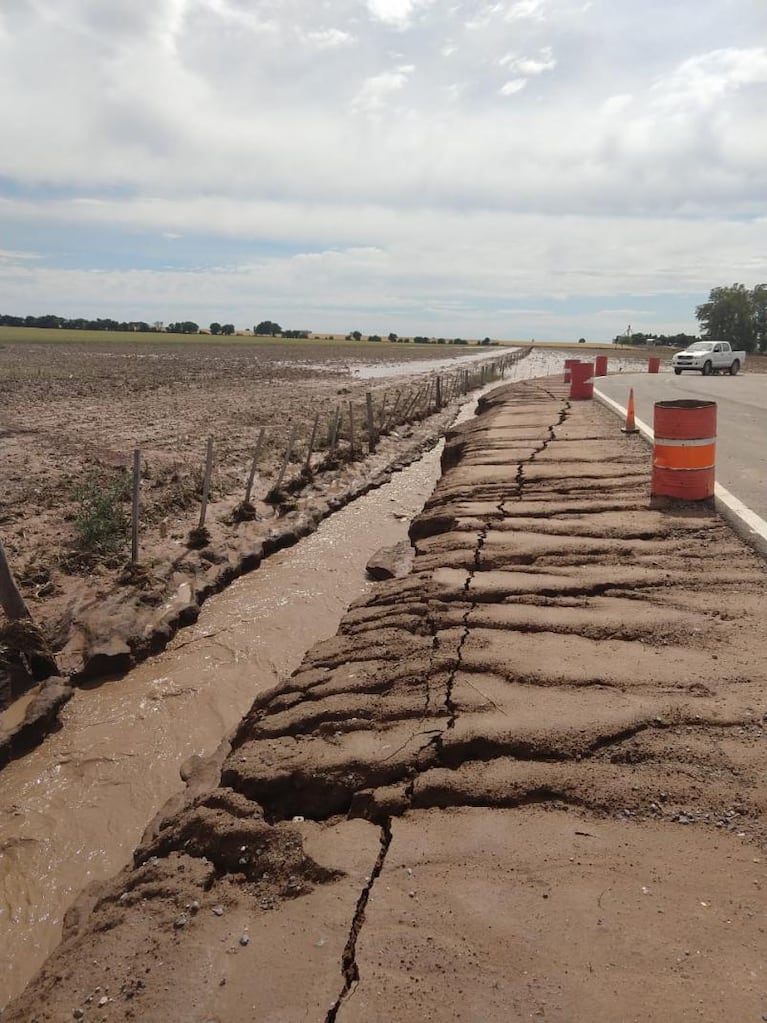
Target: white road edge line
{"type": "Point", "coordinates": [747, 524]}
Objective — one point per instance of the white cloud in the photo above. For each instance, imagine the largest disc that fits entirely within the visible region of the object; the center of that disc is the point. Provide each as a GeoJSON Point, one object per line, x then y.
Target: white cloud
{"type": "Point", "coordinates": [530, 66]}
{"type": "Point", "coordinates": [395, 13]}
{"type": "Point", "coordinates": [513, 86]}
{"type": "Point", "coordinates": [482, 17]}
{"type": "Point", "coordinates": [524, 9]}
{"type": "Point", "coordinates": [13, 256]}
{"type": "Point", "coordinates": [330, 38]}
{"type": "Point", "coordinates": [376, 91]}
{"type": "Point", "coordinates": [704, 80]}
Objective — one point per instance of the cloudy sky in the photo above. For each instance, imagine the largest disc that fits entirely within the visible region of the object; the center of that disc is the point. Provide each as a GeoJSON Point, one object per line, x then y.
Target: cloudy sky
{"type": "Point", "coordinates": [523, 168]}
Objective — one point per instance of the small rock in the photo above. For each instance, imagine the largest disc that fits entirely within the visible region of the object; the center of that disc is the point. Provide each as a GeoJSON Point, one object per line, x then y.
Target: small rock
{"type": "Point", "coordinates": [218, 911]}
{"type": "Point", "coordinates": [181, 921]}
{"type": "Point", "coordinates": [298, 819]}
{"type": "Point", "coordinates": [78, 1013]}
{"type": "Point", "coordinates": [391, 562]}
{"type": "Point", "coordinates": [194, 907]}
{"type": "Point", "coordinates": [244, 939]}
{"type": "Point", "coordinates": [103, 1001]}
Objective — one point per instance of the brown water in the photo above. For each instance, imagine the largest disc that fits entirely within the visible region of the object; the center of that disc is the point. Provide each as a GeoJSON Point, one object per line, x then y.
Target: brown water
{"type": "Point", "coordinates": [72, 811]}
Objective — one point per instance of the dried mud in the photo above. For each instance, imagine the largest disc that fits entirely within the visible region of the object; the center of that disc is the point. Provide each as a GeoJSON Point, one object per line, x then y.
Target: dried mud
{"type": "Point", "coordinates": [525, 781]}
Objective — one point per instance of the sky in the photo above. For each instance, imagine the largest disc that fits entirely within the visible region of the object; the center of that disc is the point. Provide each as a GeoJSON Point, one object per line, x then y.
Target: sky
{"type": "Point", "coordinates": [521, 168]}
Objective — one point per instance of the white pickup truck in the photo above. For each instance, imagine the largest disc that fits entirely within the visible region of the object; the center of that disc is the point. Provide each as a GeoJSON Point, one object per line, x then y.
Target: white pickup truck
{"type": "Point", "coordinates": [708, 357]}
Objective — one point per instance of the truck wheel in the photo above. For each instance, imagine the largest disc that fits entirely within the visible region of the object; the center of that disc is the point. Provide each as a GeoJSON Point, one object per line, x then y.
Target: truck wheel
{"type": "Point", "coordinates": [734, 368]}
{"type": "Point", "coordinates": [707, 367]}
{"type": "Point", "coordinates": [678, 372]}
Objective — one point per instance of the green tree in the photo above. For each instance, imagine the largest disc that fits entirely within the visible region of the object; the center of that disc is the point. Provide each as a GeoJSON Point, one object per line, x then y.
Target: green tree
{"type": "Point", "coordinates": [730, 315]}
{"type": "Point", "coordinates": [227, 329]}
{"type": "Point", "coordinates": [759, 303]}
{"type": "Point", "coordinates": [215, 328]}
{"type": "Point", "coordinates": [374, 337]}
{"type": "Point", "coordinates": [393, 337]}
{"type": "Point", "coordinates": [356, 335]}
{"type": "Point", "coordinates": [267, 328]}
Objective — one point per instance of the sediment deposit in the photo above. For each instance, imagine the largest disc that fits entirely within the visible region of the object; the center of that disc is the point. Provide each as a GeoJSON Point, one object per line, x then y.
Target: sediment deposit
{"type": "Point", "coordinates": [525, 781]}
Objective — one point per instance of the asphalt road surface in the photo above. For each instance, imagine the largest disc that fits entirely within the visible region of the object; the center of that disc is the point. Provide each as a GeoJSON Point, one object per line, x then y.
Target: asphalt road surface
{"type": "Point", "coordinates": [741, 458]}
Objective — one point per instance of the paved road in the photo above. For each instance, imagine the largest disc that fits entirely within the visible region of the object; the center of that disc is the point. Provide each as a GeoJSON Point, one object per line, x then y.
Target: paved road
{"type": "Point", "coordinates": [742, 422]}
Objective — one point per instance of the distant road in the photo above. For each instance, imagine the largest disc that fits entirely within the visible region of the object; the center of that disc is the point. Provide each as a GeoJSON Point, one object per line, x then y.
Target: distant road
{"type": "Point", "coordinates": [741, 462]}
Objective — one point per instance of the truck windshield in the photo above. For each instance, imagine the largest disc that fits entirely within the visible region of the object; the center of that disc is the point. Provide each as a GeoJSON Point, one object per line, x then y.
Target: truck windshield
{"type": "Point", "coordinates": [701, 346]}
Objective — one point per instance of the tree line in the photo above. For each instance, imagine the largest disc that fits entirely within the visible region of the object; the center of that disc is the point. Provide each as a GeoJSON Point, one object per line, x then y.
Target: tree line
{"type": "Point", "coordinates": [732, 313]}
{"type": "Point", "coordinates": [669, 340]}
{"type": "Point", "coordinates": [736, 314]}
{"type": "Point", "coordinates": [49, 320]}
{"type": "Point", "coordinates": [52, 322]}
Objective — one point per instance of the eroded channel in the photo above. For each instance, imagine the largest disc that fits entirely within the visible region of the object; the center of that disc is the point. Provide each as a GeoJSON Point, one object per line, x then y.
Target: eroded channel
{"type": "Point", "coordinates": [72, 811]}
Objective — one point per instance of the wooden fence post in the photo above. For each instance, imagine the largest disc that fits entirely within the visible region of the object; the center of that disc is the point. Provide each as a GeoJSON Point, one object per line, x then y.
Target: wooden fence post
{"type": "Point", "coordinates": [135, 506]}
{"type": "Point", "coordinates": [393, 412]}
{"type": "Point", "coordinates": [371, 424]}
{"type": "Point", "coordinates": [11, 600]}
{"type": "Point", "coordinates": [333, 436]}
{"type": "Point", "coordinates": [206, 482]}
{"type": "Point", "coordinates": [438, 397]}
{"type": "Point", "coordinates": [308, 462]}
{"type": "Point", "coordinates": [382, 413]}
{"type": "Point", "coordinates": [286, 459]}
{"type": "Point", "coordinates": [351, 430]}
{"type": "Point", "coordinates": [254, 466]}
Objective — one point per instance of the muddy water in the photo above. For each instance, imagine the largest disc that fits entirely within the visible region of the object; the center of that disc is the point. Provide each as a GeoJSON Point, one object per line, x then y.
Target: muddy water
{"type": "Point", "coordinates": [72, 811]}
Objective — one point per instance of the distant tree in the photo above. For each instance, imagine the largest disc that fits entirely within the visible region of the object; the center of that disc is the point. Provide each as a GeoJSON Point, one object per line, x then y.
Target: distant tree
{"type": "Point", "coordinates": [215, 328]}
{"type": "Point", "coordinates": [459, 341]}
{"type": "Point", "coordinates": [227, 329]}
{"type": "Point", "coordinates": [184, 327]}
{"type": "Point", "coordinates": [759, 303]}
{"type": "Point", "coordinates": [267, 328]}
{"type": "Point", "coordinates": [297, 334]}
{"type": "Point", "coordinates": [441, 341]}
{"type": "Point", "coordinates": [355, 335]}
{"type": "Point", "coordinates": [581, 340]}
{"type": "Point", "coordinates": [374, 337]}
{"type": "Point", "coordinates": [485, 341]}
{"type": "Point", "coordinates": [393, 337]}
{"type": "Point", "coordinates": [732, 314]}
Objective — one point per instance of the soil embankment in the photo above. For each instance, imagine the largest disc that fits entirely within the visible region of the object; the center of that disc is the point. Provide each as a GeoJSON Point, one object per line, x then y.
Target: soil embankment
{"type": "Point", "coordinates": [526, 781]}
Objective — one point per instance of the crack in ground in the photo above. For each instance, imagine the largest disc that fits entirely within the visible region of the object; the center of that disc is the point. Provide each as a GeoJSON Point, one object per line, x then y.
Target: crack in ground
{"type": "Point", "coordinates": [349, 968]}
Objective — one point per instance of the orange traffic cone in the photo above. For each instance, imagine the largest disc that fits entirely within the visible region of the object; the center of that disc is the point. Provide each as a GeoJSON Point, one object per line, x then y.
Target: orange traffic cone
{"type": "Point", "coordinates": [631, 426]}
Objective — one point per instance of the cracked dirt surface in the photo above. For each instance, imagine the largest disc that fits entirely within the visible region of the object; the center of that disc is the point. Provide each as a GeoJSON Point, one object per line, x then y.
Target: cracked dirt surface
{"type": "Point", "coordinates": [525, 781]}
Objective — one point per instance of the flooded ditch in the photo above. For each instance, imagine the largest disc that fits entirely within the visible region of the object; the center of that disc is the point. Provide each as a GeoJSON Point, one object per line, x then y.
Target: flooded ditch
{"type": "Point", "coordinates": [73, 809]}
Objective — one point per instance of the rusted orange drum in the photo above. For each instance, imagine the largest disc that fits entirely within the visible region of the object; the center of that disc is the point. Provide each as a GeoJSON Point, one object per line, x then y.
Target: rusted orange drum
{"type": "Point", "coordinates": [653, 364]}
{"type": "Point", "coordinates": [684, 452]}
{"type": "Point", "coordinates": [600, 366]}
{"type": "Point", "coordinates": [581, 384]}
{"type": "Point", "coordinates": [569, 363]}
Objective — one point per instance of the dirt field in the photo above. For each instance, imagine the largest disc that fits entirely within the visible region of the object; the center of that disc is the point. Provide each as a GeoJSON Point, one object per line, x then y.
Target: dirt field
{"type": "Point", "coordinates": [526, 781]}
{"type": "Point", "coordinates": [71, 413]}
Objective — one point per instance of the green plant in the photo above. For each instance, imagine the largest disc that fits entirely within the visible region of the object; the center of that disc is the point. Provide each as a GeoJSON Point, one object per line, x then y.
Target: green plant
{"type": "Point", "coordinates": [101, 525]}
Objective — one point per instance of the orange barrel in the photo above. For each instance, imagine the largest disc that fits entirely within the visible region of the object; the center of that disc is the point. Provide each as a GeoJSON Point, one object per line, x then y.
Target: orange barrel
{"type": "Point", "coordinates": [600, 366]}
{"type": "Point", "coordinates": [653, 365]}
{"type": "Point", "coordinates": [581, 384]}
{"type": "Point", "coordinates": [569, 363]}
{"type": "Point", "coordinates": [684, 453]}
